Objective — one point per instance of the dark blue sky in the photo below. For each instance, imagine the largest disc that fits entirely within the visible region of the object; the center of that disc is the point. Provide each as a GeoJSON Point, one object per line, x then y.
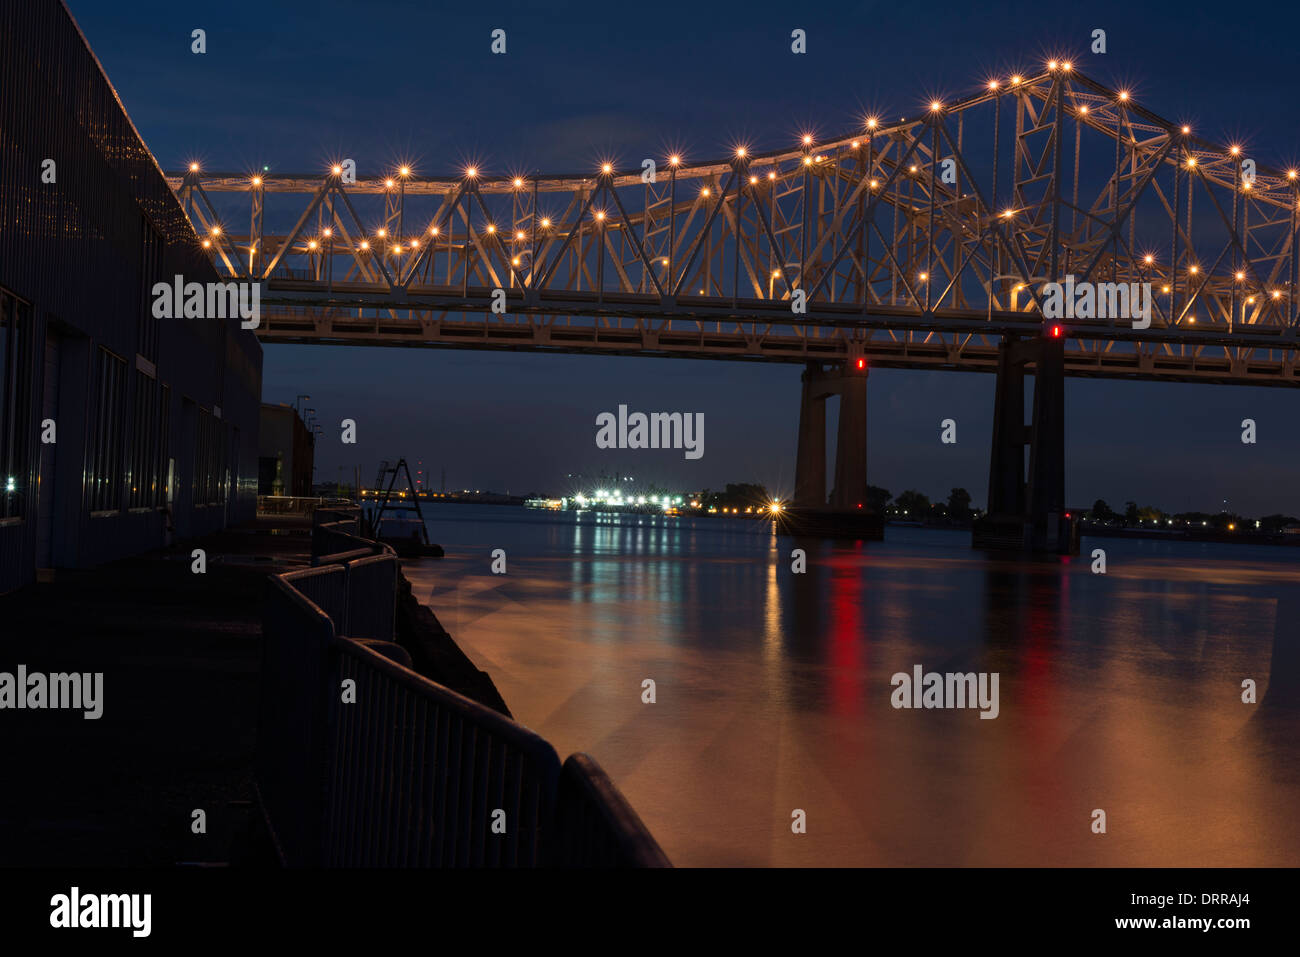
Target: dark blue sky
{"type": "Point", "coordinates": [292, 85]}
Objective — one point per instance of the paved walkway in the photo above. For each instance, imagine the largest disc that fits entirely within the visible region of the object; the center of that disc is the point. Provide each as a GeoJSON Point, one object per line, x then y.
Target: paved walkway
{"type": "Point", "coordinates": [180, 655]}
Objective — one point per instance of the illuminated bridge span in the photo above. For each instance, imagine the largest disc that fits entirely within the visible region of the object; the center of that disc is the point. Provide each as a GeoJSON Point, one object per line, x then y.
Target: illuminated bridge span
{"type": "Point", "coordinates": [924, 243]}
{"type": "Point", "coordinates": [917, 243]}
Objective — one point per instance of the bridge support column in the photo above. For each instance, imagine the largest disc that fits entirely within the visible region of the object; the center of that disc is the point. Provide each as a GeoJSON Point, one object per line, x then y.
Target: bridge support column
{"type": "Point", "coordinates": [850, 490]}
{"type": "Point", "coordinates": [1028, 514]}
{"type": "Point", "coordinates": [819, 384]}
{"type": "Point", "coordinates": [810, 459]}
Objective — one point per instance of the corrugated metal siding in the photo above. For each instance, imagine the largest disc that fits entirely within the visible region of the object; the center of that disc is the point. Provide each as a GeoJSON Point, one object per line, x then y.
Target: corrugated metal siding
{"type": "Point", "coordinates": [75, 249]}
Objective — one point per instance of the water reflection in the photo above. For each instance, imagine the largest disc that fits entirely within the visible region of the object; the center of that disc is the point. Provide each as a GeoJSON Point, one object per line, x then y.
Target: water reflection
{"type": "Point", "coordinates": [1119, 691]}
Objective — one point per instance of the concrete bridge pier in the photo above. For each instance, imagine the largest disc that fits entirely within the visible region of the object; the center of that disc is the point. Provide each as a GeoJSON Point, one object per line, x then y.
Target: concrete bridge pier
{"type": "Point", "coordinates": [820, 382]}
{"type": "Point", "coordinates": [1028, 513]}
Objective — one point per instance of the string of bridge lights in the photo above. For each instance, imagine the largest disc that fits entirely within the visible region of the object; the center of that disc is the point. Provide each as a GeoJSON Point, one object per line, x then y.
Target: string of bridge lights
{"type": "Point", "coordinates": [741, 157]}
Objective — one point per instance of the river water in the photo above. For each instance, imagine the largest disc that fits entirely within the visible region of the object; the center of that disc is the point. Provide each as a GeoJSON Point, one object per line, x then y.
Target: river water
{"type": "Point", "coordinates": [1118, 692]}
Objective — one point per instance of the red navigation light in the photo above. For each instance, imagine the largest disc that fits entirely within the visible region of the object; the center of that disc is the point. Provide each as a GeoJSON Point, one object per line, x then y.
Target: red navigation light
{"type": "Point", "coordinates": [1056, 332]}
{"type": "Point", "coordinates": [862, 363]}
{"type": "Point", "coordinates": [1067, 514]}
{"type": "Point", "coordinates": [859, 505]}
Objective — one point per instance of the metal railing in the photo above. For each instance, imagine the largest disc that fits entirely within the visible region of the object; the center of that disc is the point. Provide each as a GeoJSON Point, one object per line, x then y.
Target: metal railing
{"type": "Point", "coordinates": [289, 504]}
{"type": "Point", "coordinates": [361, 761]}
{"type": "Point", "coordinates": [598, 826]}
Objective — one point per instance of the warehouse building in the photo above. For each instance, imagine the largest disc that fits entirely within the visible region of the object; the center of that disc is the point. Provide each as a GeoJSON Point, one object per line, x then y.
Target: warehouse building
{"type": "Point", "coordinates": [119, 431]}
{"type": "Point", "coordinates": [286, 451]}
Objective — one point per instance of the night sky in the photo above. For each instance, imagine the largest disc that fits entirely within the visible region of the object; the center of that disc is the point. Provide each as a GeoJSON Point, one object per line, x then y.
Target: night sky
{"type": "Point", "coordinates": [292, 85]}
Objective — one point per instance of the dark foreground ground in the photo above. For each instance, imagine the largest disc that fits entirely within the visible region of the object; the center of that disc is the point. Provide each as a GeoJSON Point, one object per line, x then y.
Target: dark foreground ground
{"type": "Point", "coordinates": [181, 655]}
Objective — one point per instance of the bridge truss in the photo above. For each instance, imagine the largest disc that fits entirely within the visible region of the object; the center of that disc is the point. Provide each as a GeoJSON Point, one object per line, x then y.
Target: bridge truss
{"type": "Point", "coordinates": [921, 243]}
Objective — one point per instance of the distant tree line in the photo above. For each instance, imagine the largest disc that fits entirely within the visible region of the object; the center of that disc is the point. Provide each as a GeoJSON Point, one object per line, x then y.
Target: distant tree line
{"type": "Point", "coordinates": [1148, 516]}
{"type": "Point", "coordinates": [915, 506]}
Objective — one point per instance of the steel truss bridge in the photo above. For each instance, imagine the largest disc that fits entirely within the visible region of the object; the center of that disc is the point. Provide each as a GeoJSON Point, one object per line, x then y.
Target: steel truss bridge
{"type": "Point", "coordinates": [921, 243]}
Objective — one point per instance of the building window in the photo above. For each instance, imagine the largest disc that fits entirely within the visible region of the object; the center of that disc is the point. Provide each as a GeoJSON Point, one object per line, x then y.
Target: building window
{"type": "Point", "coordinates": [148, 460]}
{"type": "Point", "coordinates": [151, 246]}
{"type": "Point", "coordinates": [15, 404]}
{"type": "Point", "coordinates": [210, 461]}
{"type": "Point", "coordinates": [105, 472]}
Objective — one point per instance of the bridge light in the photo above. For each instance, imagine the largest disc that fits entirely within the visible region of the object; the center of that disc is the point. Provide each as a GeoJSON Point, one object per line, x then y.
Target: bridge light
{"type": "Point", "coordinates": [1148, 259]}
{"type": "Point", "coordinates": [924, 276]}
{"type": "Point", "coordinates": [912, 167]}
{"type": "Point", "coordinates": [1164, 289]}
{"type": "Point", "coordinates": [704, 191]}
{"type": "Point", "coordinates": [1018, 287]}
{"type": "Point", "coordinates": [388, 183]}
{"type": "Point", "coordinates": [674, 160]}
{"type": "Point", "coordinates": [1250, 300]}
{"type": "Point", "coordinates": [606, 168]}
{"type": "Point", "coordinates": [207, 244]}
{"type": "Point", "coordinates": [471, 172]}
{"type": "Point", "coordinates": [871, 122]}
{"type": "Point", "coordinates": [1084, 109]}
{"type": "Point", "coordinates": [740, 152]}
{"type": "Point", "coordinates": [935, 106]}
{"type": "Point", "coordinates": [1236, 150]}
{"type": "Point", "coordinates": [753, 180]}
{"type": "Point", "coordinates": [993, 84]}
{"type": "Point", "coordinates": [771, 174]}
{"type": "Point", "coordinates": [257, 181]}
{"type": "Point", "coordinates": [518, 182]}
{"type": "Point", "coordinates": [1194, 269]}
{"type": "Point", "coordinates": [807, 161]}
{"type": "Point", "coordinates": [415, 244]}
{"type": "Point", "coordinates": [546, 223]}
{"type": "Point", "coordinates": [1017, 80]}
{"type": "Point", "coordinates": [1291, 174]}
{"type": "Point", "coordinates": [404, 171]}
{"type": "Point", "coordinates": [1276, 294]}
{"type": "Point", "coordinates": [312, 245]}
{"type": "Point", "coordinates": [1240, 276]}
{"type": "Point", "coordinates": [1191, 161]}
{"type": "Point", "coordinates": [336, 169]}
{"type": "Point", "coordinates": [1123, 96]}
{"type": "Point", "coordinates": [600, 216]}
{"type": "Point", "coordinates": [1051, 64]}
{"type": "Point", "coordinates": [381, 232]}
{"type": "Point", "coordinates": [1192, 320]}
{"type": "Point", "coordinates": [855, 144]}
{"type": "Point", "coordinates": [874, 183]}
{"type": "Point", "coordinates": [433, 230]}
{"type": "Point", "coordinates": [1186, 130]}
{"type": "Point", "coordinates": [1066, 66]}
{"type": "Point", "coordinates": [1008, 213]}
{"type": "Point", "coordinates": [194, 167]}
{"type": "Point", "coordinates": [519, 234]}
{"type": "Point", "coordinates": [327, 232]}
{"type": "Point", "coordinates": [491, 228]}
{"type": "Point", "coordinates": [515, 261]}
{"type": "Point", "coordinates": [216, 230]}
{"type": "Point", "coordinates": [807, 139]}
{"type": "Point", "coordinates": [365, 244]}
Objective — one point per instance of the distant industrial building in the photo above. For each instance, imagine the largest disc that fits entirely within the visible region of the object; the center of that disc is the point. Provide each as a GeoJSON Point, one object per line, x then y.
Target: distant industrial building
{"type": "Point", "coordinates": [286, 452]}
{"type": "Point", "coordinates": [118, 430]}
